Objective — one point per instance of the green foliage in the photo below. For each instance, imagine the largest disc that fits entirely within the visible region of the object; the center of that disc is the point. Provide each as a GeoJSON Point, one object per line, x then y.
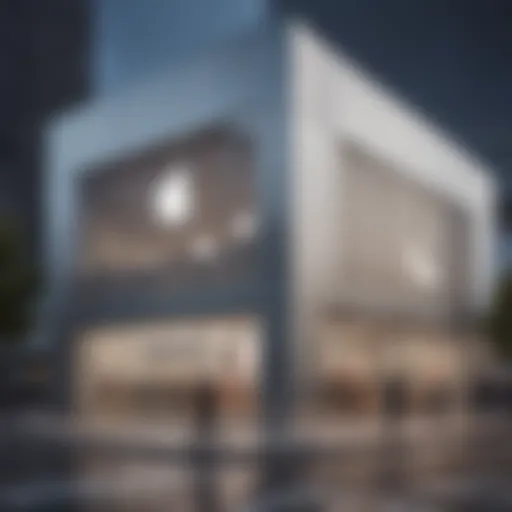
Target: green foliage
{"type": "Point", "coordinates": [17, 283]}
{"type": "Point", "coordinates": [500, 321]}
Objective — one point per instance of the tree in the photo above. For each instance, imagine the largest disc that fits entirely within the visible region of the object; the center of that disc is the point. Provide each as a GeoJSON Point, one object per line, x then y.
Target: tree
{"type": "Point", "coordinates": [500, 320]}
{"type": "Point", "coordinates": [17, 284]}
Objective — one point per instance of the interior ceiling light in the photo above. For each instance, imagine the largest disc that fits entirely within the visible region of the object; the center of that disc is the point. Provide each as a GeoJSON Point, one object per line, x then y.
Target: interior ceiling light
{"type": "Point", "coordinates": [172, 196]}
{"type": "Point", "coordinates": [204, 248]}
{"type": "Point", "coordinates": [422, 268]}
{"type": "Point", "coordinates": [244, 226]}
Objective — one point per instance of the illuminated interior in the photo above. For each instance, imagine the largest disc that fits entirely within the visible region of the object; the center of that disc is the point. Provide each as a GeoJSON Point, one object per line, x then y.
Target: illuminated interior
{"type": "Point", "coordinates": [184, 210]}
{"type": "Point", "coordinates": [151, 370]}
{"type": "Point", "coordinates": [401, 243]}
{"type": "Point", "coordinates": [357, 357]}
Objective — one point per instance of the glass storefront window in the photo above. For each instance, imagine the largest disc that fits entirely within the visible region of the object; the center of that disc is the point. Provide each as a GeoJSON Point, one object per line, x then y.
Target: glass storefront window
{"type": "Point", "coordinates": [186, 212]}
{"type": "Point", "coordinates": [152, 369]}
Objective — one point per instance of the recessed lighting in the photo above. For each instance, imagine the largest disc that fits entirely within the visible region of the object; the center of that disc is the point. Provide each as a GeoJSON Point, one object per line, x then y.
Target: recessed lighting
{"type": "Point", "coordinates": [422, 268]}
{"type": "Point", "coordinates": [172, 198]}
{"type": "Point", "coordinates": [244, 225]}
{"type": "Point", "coordinates": [205, 248]}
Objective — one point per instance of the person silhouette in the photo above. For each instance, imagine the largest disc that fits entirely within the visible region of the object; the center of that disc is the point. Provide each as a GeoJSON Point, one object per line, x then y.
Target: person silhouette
{"type": "Point", "coordinates": [205, 416]}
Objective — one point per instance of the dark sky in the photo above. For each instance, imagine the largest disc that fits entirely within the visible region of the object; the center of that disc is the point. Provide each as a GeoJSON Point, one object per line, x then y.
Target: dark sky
{"type": "Point", "coordinates": [452, 58]}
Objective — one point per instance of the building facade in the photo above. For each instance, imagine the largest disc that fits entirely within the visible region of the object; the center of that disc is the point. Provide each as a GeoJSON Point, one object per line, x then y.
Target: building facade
{"type": "Point", "coordinates": [264, 215]}
{"type": "Point", "coordinates": [44, 59]}
{"type": "Point", "coordinates": [36, 50]}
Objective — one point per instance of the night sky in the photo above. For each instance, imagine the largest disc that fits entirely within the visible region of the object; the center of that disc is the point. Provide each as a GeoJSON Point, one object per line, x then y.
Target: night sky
{"type": "Point", "coordinates": [451, 58]}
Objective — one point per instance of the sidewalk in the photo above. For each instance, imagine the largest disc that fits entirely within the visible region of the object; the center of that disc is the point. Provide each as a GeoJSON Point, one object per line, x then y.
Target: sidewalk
{"type": "Point", "coordinates": [153, 473]}
{"type": "Point", "coordinates": [238, 434]}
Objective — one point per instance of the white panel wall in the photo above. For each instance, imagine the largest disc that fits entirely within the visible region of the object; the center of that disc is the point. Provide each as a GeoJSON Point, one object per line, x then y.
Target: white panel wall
{"type": "Point", "coordinates": [333, 101]}
{"type": "Point", "coordinates": [316, 184]}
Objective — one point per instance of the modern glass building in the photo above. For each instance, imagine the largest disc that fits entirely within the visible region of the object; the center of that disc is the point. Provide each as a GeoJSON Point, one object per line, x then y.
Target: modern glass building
{"type": "Point", "coordinates": [243, 203]}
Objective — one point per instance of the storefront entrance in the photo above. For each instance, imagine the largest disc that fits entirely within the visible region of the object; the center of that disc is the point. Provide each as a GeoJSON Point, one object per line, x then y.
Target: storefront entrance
{"type": "Point", "coordinates": [152, 371]}
{"type": "Point", "coordinates": [359, 359]}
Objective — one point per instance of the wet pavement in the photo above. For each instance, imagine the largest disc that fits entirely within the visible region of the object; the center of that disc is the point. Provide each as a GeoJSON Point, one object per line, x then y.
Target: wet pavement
{"type": "Point", "coordinates": [40, 464]}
